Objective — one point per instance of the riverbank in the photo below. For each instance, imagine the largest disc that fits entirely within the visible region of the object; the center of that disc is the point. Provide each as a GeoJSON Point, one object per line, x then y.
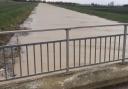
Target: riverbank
{"type": "Point", "coordinates": [12, 14]}
{"type": "Point", "coordinates": [115, 13]}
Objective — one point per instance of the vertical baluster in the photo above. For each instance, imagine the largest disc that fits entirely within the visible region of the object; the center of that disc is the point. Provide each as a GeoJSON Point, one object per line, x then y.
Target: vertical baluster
{"type": "Point", "coordinates": [114, 48]}
{"type": "Point", "coordinates": [95, 49]}
{"type": "Point", "coordinates": [54, 51]}
{"type": "Point", "coordinates": [48, 56]}
{"type": "Point", "coordinates": [79, 52]}
{"type": "Point", "coordinates": [20, 61]}
{"type": "Point", "coordinates": [67, 50]}
{"type": "Point", "coordinates": [74, 53]}
{"type": "Point", "coordinates": [41, 58]}
{"type": "Point", "coordinates": [60, 57]}
{"type": "Point", "coordinates": [90, 51]}
{"type": "Point", "coordinates": [110, 50]}
{"type": "Point", "coordinates": [119, 48]}
{"type": "Point", "coordinates": [105, 49]}
{"type": "Point", "coordinates": [124, 44]}
{"type": "Point", "coordinates": [85, 51]}
{"type": "Point", "coordinates": [34, 59]}
{"type": "Point", "coordinates": [100, 49]}
{"type": "Point", "coordinates": [27, 59]}
{"type": "Point", "coordinates": [6, 76]}
{"type": "Point", "coordinates": [13, 61]}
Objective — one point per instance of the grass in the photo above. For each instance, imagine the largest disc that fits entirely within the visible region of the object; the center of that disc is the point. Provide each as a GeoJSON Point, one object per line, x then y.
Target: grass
{"type": "Point", "coordinates": [117, 13]}
{"type": "Point", "coordinates": [12, 14]}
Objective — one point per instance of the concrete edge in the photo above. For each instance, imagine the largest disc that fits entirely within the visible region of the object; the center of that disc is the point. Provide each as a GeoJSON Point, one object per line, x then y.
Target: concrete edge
{"type": "Point", "coordinates": [98, 77]}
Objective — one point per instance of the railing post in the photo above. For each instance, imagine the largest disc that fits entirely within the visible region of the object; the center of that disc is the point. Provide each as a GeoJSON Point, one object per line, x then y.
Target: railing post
{"type": "Point", "coordinates": [67, 50]}
{"type": "Point", "coordinates": [124, 44]}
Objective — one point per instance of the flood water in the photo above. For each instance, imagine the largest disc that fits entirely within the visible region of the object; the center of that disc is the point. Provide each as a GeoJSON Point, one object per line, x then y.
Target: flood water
{"type": "Point", "coordinates": [48, 17]}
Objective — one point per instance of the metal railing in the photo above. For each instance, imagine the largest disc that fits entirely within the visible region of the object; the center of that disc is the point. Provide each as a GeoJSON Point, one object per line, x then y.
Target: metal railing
{"type": "Point", "coordinates": [59, 55]}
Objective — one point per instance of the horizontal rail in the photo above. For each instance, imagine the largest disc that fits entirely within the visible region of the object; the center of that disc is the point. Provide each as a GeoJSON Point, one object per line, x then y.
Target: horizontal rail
{"type": "Point", "coordinates": [58, 55]}
{"type": "Point", "coordinates": [6, 46]}
{"type": "Point", "coordinates": [59, 29]}
{"type": "Point", "coordinates": [60, 70]}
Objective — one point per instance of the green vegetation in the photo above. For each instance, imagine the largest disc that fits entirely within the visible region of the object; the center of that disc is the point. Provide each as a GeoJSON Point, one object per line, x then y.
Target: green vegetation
{"type": "Point", "coordinates": [12, 14]}
{"type": "Point", "coordinates": [116, 13]}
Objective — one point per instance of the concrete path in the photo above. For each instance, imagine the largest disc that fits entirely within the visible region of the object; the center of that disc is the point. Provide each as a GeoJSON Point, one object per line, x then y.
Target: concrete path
{"type": "Point", "coordinates": [46, 17]}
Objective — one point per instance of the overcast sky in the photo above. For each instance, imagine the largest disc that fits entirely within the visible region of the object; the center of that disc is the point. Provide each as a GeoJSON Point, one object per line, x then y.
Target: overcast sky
{"type": "Point", "coordinates": [117, 2]}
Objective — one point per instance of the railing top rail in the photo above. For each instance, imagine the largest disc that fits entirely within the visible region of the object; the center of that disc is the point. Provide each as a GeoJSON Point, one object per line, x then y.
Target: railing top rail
{"type": "Point", "coordinates": [58, 29]}
{"type": "Point", "coordinates": [63, 40]}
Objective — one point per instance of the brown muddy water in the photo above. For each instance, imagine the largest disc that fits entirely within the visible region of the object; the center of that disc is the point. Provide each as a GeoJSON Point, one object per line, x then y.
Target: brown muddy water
{"type": "Point", "coordinates": [48, 17]}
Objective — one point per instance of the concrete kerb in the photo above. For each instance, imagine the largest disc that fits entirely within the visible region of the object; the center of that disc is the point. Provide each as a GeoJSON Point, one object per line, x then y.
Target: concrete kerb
{"type": "Point", "coordinates": [90, 78]}
{"type": "Point", "coordinates": [98, 77]}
